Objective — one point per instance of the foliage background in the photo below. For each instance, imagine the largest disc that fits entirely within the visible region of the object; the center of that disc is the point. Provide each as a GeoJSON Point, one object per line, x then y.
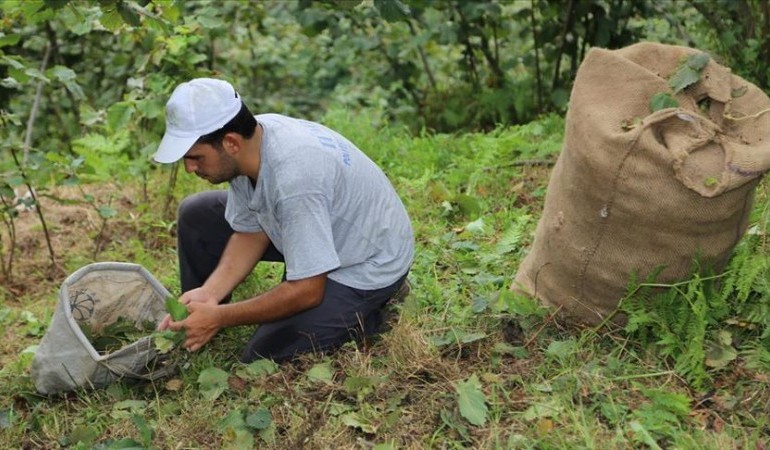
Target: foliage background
{"type": "Point", "coordinates": [461, 103]}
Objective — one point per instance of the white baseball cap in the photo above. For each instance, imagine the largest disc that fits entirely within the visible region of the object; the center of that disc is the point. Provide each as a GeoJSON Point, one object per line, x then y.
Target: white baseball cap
{"type": "Point", "coordinates": [196, 108]}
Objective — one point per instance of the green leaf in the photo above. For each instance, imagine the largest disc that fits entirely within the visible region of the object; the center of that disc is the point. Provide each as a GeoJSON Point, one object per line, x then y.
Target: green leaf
{"type": "Point", "coordinates": [662, 100]}
{"type": "Point", "coordinates": [212, 382]}
{"type": "Point", "coordinates": [640, 433]}
{"type": "Point", "coordinates": [89, 116]}
{"type": "Point", "coordinates": [509, 240]}
{"type": "Point", "coordinates": [467, 338]}
{"type": "Point", "coordinates": [11, 39]}
{"type": "Point", "coordinates": [392, 10]}
{"type": "Point", "coordinates": [234, 419]}
{"type": "Point", "coordinates": [561, 349]}
{"type": "Point", "coordinates": [237, 439]}
{"type": "Point", "coordinates": [613, 412]}
{"type": "Point", "coordinates": [78, 20]}
{"type": "Point", "coordinates": [168, 10]}
{"type": "Point", "coordinates": [131, 406]}
{"type": "Point", "coordinates": [689, 72]}
{"type": "Point", "coordinates": [106, 212]}
{"type": "Point", "coordinates": [260, 367]}
{"type": "Point", "coordinates": [479, 305]}
{"type": "Point", "coordinates": [118, 115]}
{"type": "Point", "coordinates": [111, 19]}
{"type": "Point", "coordinates": [177, 310]}
{"type": "Point", "coordinates": [684, 77]}
{"type": "Point", "coordinates": [357, 420]}
{"type": "Point", "coordinates": [61, 73]}
{"type": "Point", "coordinates": [467, 204]}
{"type": "Point", "coordinates": [385, 446]}
{"type": "Point", "coordinates": [145, 432]}
{"type": "Point", "coordinates": [125, 444]}
{"type": "Point", "coordinates": [471, 401]}
{"type": "Point", "coordinates": [541, 410]}
{"type": "Point", "coordinates": [476, 227]}
{"type": "Point", "coordinates": [84, 434]}
{"type": "Point", "coordinates": [209, 18]}
{"type": "Point", "coordinates": [720, 352]}
{"type": "Point", "coordinates": [235, 433]}
{"type": "Point", "coordinates": [128, 14]}
{"type": "Point", "coordinates": [166, 340]}
{"type": "Point", "coordinates": [259, 419]}
{"type": "Point", "coordinates": [698, 61]}
{"type": "Point", "coordinates": [6, 190]}
{"type": "Point", "coordinates": [35, 11]}
{"type": "Point", "coordinates": [321, 372]}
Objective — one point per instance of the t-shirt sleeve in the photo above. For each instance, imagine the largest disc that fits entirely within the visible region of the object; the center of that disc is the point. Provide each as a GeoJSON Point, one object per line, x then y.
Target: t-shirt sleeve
{"type": "Point", "coordinates": [237, 212]}
{"type": "Point", "coordinates": [307, 236]}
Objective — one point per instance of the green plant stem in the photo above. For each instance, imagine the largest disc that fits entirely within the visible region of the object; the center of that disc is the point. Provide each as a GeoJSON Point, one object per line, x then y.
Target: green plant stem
{"type": "Point", "coordinates": [643, 375]}
{"type": "Point", "coordinates": [38, 207]}
{"type": "Point", "coordinates": [7, 269]}
{"type": "Point", "coordinates": [35, 106]}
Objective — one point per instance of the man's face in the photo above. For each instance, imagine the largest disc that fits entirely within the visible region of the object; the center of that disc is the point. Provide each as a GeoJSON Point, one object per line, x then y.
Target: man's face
{"type": "Point", "coordinates": [210, 163]}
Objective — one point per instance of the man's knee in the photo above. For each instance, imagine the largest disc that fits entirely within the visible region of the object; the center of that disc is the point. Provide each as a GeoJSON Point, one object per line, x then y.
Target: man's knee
{"type": "Point", "coordinates": [192, 206]}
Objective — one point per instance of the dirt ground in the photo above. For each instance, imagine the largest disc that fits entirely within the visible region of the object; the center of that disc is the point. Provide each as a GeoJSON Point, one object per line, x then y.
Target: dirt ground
{"type": "Point", "coordinates": [75, 229]}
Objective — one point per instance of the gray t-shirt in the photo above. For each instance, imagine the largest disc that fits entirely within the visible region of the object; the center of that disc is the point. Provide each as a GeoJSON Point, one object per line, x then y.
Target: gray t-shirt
{"type": "Point", "coordinates": [325, 205]}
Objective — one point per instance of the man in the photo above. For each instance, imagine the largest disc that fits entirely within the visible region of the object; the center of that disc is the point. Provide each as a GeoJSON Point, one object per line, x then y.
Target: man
{"type": "Point", "coordinates": [299, 193]}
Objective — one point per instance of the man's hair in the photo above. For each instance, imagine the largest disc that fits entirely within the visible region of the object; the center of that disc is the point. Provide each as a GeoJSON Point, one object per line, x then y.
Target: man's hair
{"type": "Point", "coordinates": [243, 123]}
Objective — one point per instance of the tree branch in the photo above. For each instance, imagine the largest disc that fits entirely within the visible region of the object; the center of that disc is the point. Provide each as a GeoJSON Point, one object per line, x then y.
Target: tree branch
{"type": "Point", "coordinates": [35, 106]}
{"type": "Point", "coordinates": [27, 145]}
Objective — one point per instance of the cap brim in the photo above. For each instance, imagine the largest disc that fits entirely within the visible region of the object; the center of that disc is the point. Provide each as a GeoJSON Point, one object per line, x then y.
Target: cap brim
{"type": "Point", "coordinates": [172, 148]}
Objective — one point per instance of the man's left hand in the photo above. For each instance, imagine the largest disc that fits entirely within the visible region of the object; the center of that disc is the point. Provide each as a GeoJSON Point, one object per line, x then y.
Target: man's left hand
{"type": "Point", "coordinates": [200, 326]}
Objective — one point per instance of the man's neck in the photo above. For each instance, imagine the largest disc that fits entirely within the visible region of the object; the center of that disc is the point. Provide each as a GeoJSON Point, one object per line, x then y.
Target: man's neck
{"type": "Point", "coordinates": [252, 161]}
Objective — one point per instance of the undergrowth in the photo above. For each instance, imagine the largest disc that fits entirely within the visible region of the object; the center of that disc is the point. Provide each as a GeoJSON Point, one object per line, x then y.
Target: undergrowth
{"type": "Point", "coordinates": [710, 322]}
{"type": "Point", "coordinates": [467, 364]}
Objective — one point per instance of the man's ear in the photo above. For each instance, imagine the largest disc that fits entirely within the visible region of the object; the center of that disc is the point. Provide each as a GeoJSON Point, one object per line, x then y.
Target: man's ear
{"type": "Point", "coordinates": [232, 143]}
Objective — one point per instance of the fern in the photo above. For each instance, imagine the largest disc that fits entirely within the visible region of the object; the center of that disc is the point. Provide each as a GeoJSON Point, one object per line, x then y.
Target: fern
{"type": "Point", "coordinates": [707, 315]}
{"type": "Point", "coordinates": [757, 355]}
{"type": "Point", "coordinates": [663, 414]}
{"type": "Point", "coordinates": [746, 274]}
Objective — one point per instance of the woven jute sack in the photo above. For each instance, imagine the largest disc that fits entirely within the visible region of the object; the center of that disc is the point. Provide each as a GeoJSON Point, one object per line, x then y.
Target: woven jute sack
{"type": "Point", "coordinates": [633, 190]}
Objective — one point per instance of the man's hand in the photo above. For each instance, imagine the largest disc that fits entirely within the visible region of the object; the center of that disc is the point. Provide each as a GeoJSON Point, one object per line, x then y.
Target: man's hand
{"type": "Point", "coordinates": [198, 295]}
{"type": "Point", "coordinates": [200, 326]}
{"type": "Point", "coordinates": [194, 295]}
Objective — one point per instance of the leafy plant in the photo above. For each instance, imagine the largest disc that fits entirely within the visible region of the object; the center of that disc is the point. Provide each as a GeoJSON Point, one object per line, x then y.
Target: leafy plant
{"type": "Point", "coordinates": [471, 401]}
{"type": "Point", "coordinates": [167, 340]}
{"type": "Point", "coordinates": [212, 382]}
{"type": "Point", "coordinates": [686, 74]}
{"type": "Point", "coordinates": [704, 322]}
{"type": "Point", "coordinates": [689, 72]}
{"type": "Point", "coordinates": [117, 334]}
{"type": "Point", "coordinates": [176, 309]}
{"type": "Point", "coordinates": [658, 417]}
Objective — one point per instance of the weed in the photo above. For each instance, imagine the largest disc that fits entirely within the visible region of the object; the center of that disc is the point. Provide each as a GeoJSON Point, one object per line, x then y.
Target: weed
{"type": "Point", "coordinates": [466, 364]}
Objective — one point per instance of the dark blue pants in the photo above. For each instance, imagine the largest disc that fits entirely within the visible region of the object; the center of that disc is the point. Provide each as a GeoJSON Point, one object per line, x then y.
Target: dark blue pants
{"type": "Point", "coordinates": [345, 314]}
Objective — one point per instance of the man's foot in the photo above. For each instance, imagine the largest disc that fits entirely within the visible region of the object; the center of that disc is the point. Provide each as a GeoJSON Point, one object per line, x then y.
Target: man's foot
{"type": "Point", "coordinates": [402, 292]}
{"type": "Point", "coordinates": [390, 309]}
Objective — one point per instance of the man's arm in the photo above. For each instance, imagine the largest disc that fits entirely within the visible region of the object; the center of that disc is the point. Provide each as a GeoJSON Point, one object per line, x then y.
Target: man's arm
{"type": "Point", "coordinates": [241, 254]}
{"type": "Point", "coordinates": [284, 300]}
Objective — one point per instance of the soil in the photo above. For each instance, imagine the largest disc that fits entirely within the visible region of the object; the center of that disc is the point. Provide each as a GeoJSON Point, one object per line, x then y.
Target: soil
{"type": "Point", "coordinates": [75, 229]}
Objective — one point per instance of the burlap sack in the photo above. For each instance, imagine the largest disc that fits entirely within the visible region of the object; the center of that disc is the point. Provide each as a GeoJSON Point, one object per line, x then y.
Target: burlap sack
{"type": "Point", "coordinates": [627, 196]}
{"type": "Point", "coordinates": [97, 295]}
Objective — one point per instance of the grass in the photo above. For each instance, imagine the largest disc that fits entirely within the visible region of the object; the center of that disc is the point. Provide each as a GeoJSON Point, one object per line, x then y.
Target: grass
{"type": "Point", "coordinates": [466, 365]}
